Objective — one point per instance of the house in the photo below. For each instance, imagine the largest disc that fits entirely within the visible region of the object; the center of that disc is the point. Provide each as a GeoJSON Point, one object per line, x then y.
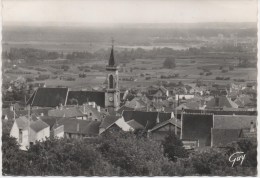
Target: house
{"type": "Point", "coordinates": [68, 112]}
{"type": "Point", "coordinates": [147, 119]}
{"type": "Point", "coordinates": [114, 123]}
{"type": "Point", "coordinates": [156, 92]}
{"type": "Point", "coordinates": [136, 103]}
{"type": "Point", "coordinates": [196, 128]}
{"type": "Point", "coordinates": [92, 112]}
{"type": "Point", "coordinates": [75, 128]}
{"type": "Point", "coordinates": [81, 97]}
{"type": "Point", "coordinates": [28, 132]}
{"type": "Point", "coordinates": [220, 102]}
{"type": "Point", "coordinates": [161, 130]}
{"type": "Point", "coordinates": [11, 113]}
{"type": "Point", "coordinates": [124, 108]}
{"type": "Point", "coordinates": [157, 124]}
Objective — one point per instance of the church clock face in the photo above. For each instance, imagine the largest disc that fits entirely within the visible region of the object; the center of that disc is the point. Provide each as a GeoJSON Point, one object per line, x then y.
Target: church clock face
{"type": "Point", "coordinates": [111, 98]}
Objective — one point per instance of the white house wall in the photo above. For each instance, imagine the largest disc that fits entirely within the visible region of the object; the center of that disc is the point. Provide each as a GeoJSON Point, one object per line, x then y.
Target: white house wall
{"type": "Point", "coordinates": [41, 135]}
{"type": "Point", "coordinates": [14, 131]}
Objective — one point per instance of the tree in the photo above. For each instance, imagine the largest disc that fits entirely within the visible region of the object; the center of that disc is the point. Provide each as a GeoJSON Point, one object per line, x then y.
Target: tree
{"type": "Point", "coordinates": [173, 147]}
{"type": "Point", "coordinates": [133, 156]}
{"type": "Point", "coordinates": [67, 157]}
{"type": "Point", "coordinates": [13, 159]}
{"type": "Point", "coordinates": [169, 63]}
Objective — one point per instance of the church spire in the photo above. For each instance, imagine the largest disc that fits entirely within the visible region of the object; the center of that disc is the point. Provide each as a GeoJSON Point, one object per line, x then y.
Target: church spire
{"type": "Point", "coordinates": [111, 61]}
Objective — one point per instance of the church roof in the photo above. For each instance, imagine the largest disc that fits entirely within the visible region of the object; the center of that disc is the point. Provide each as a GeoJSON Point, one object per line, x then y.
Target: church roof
{"type": "Point", "coordinates": [48, 97]}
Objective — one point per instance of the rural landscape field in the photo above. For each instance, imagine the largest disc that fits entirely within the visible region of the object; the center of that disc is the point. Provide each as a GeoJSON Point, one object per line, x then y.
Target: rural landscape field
{"type": "Point", "coordinates": [214, 53]}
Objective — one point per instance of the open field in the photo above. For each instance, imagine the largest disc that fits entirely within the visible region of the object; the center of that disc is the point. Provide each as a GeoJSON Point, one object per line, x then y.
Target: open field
{"type": "Point", "coordinates": [145, 72]}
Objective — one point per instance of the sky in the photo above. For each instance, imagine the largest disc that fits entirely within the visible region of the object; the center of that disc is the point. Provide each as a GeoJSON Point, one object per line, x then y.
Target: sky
{"type": "Point", "coordinates": [127, 11]}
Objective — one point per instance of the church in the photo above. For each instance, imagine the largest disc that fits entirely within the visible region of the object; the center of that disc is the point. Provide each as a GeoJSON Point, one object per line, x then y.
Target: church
{"type": "Point", "coordinates": [56, 97]}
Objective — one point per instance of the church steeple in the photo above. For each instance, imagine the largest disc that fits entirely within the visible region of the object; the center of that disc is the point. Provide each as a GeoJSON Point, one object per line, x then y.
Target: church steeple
{"type": "Point", "coordinates": [111, 61]}
{"type": "Point", "coordinates": [112, 92]}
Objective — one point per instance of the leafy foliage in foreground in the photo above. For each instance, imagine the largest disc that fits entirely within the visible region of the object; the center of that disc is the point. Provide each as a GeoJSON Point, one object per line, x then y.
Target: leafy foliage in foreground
{"type": "Point", "coordinates": [122, 154]}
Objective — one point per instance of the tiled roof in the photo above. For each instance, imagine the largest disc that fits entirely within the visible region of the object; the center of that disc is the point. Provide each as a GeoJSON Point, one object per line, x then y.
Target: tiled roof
{"type": "Point", "coordinates": [170, 121]}
{"type": "Point", "coordinates": [197, 127]}
{"type": "Point", "coordinates": [86, 96]}
{"type": "Point", "coordinates": [135, 103]}
{"type": "Point", "coordinates": [190, 105]}
{"type": "Point", "coordinates": [221, 137]}
{"type": "Point", "coordinates": [147, 119]}
{"type": "Point", "coordinates": [108, 121]}
{"type": "Point", "coordinates": [93, 110]}
{"type": "Point", "coordinates": [22, 122]}
{"type": "Point", "coordinates": [219, 112]}
{"type": "Point", "coordinates": [221, 102]}
{"type": "Point", "coordinates": [89, 128]}
{"type": "Point", "coordinates": [50, 120]}
{"type": "Point", "coordinates": [36, 112]}
{"type": "Point", "coordinates": [38, 125]}
{"type": "Point", "coordinates": [135, 125]}
{"type": "Point", "coordinates": [233, 122]}
{"type": "Point", "coordinates": [48, 97]}
{"type": "Point", "coordinates": [124, 108]}
{"type": "Point", "coordinates": [66, 112]}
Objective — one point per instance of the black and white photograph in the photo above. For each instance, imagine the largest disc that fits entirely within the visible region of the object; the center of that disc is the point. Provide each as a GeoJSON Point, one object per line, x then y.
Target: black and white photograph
{"type": "Point", "coordinates": [129, 88]}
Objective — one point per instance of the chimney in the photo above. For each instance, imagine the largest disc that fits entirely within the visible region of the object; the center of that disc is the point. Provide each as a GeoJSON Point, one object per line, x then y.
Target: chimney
{"type": "Point", "coordinates": [84, 109]}
{"type": "Point", "coordinates": [163, 109]}
{"type": "Point", "coordinates": [172, 115]}
{"type": "Point", "coordinates": [157, 119]}
{"type": "Point", "coordinates": [61, 106]}
{"type": "Point", "coordinates": [77, 127]}
{"type": "Point", "coordinates": [98, 109]}
{"type": "Point", "coordinates": [252, 129]}
{"type": "Point", "coordinates": [94, 105]}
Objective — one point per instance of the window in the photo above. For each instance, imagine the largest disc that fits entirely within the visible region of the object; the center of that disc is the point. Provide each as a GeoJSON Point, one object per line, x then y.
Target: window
{"type": "Point", "coordinates": [70, 135]}
{"type": "Point", "coordinates": [20, 136]}
{"type": "Point", "coordinates": [90, 114]}
{"type": "Point", "coordinates": [111, 81]}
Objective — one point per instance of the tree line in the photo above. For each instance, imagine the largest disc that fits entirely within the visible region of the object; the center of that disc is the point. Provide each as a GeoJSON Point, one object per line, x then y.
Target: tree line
{"type": "Point", "coordinates": [126, 55]}
{"type": "Point", "coordinates": [118, 153]}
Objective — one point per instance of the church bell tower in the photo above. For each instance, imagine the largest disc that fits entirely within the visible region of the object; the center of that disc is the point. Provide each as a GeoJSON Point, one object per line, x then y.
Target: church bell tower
{"type": "Point", "coordinates": [112, 95]}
